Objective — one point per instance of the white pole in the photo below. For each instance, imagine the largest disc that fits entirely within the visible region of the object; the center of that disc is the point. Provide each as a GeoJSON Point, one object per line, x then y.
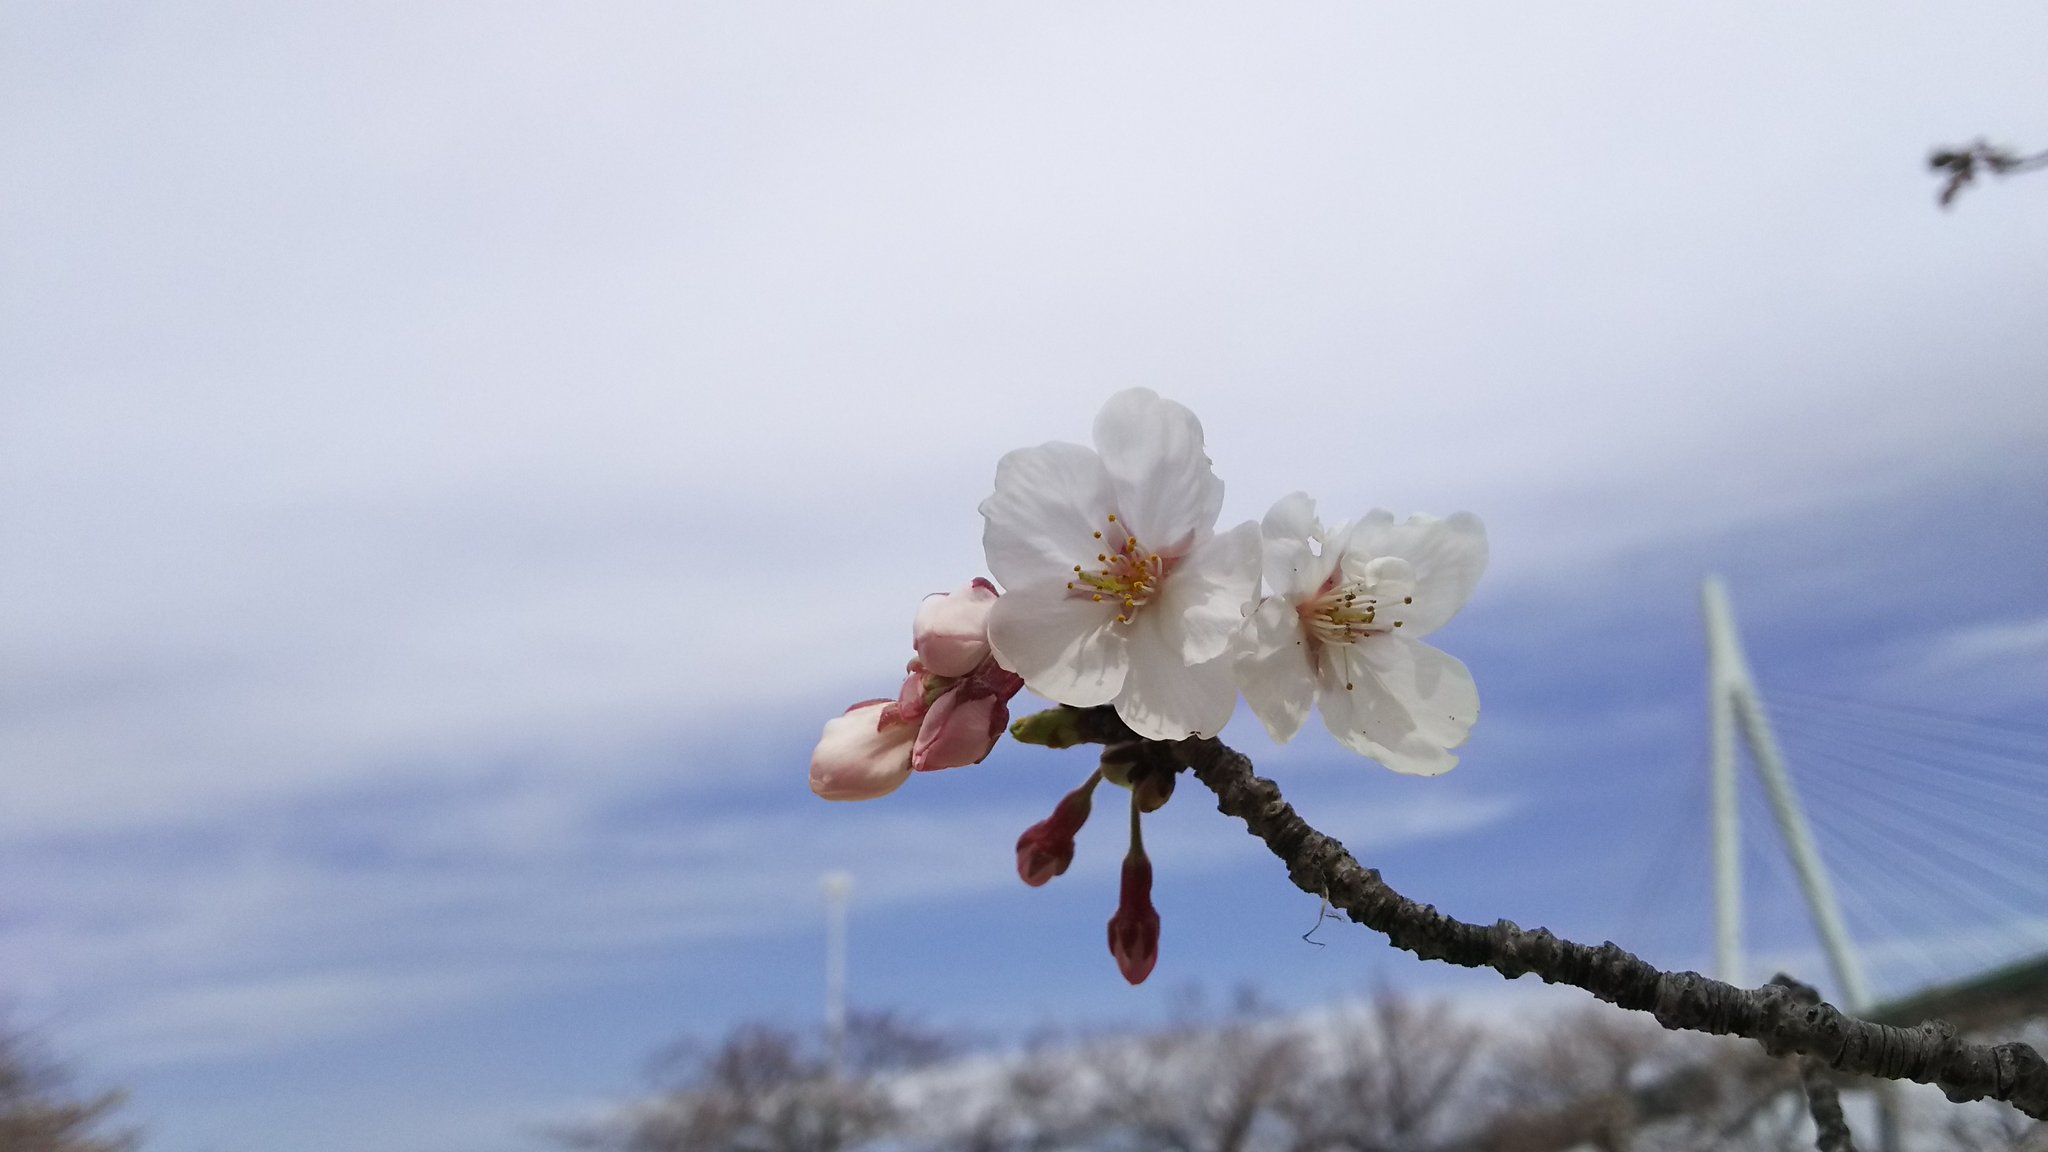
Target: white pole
{"type": "Point", "coordinates": [1813, 876]}
{"type": "Point", "coordinates": [1736, 692]}
{"type": "Point", "coordinates": [838, 887]}
{"type": "Point", "coordinates": [1723, 661]}
{"type": "Point", "coordinates": [1733, 696]}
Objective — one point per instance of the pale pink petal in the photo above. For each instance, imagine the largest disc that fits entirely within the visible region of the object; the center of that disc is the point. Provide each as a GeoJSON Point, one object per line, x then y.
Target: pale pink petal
{"type": "Point", "coordinates": [1272, 667]}
{"type": "Point", "coordinates": [855, 760]}
{"type": "Point", "coordinates": [1164, 697]}
{"type": "Point", "coordinates": [1366, 538]}
{"type": "Point", "coordinates": [1205, 597]}
{"type": "Point", "coordinates": [1435, 687]}
{"type": "Point", "coordinates": [950, 632]}
{"type": "Point", "coordinates": [1166, 491]}
{"type": "Point", "coordinates": [1067, 649]}
{"type": "Point", "coordinates": [1390, 580]}
{"type": "Point", "coordinates": [1449, 556]}
{"type": "Point", "coordinates": [1292, 568]}
{"type": "Point", "coordinates": [1040, 521]}
{"type": "Point", "coordinates": [1370, 719]}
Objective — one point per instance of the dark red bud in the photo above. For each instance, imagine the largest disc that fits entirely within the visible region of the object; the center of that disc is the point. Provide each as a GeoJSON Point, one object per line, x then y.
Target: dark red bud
{"type": "Point", "coordinates": [1042, 853]}
{"type": "Point", "coordinates": [1134, 930]}
{"type": "Point", "coordinates": [1047, 847]}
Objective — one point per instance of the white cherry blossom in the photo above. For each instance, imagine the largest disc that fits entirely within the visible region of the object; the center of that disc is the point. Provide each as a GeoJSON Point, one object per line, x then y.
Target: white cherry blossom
{"type": "Point", "coordinates": [1342, 627]}
{"type": "Point", "coordinates": [1116, 587]}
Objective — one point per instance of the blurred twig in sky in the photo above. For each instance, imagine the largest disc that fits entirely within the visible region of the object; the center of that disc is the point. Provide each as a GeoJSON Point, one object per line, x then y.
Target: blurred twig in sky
{"type": "Point", "coordinates": [1963, 164]}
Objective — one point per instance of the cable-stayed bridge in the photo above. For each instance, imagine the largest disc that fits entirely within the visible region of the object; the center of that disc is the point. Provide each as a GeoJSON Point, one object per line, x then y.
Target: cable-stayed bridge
{"type": "Point", "coordinates": [1918, 840]}
{"type": "Point", "coordinates": [1946, 895]}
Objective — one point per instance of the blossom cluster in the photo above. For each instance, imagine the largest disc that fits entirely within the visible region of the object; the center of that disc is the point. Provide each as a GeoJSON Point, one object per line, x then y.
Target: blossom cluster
{"type": "Point", "coordinates": [1117, 589]}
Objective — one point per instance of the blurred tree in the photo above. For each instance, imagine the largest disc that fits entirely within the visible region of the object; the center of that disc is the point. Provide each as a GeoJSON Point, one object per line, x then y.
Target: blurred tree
{"type": "Point", "coordinates": [1030, 1103]}
{"type": "Point", "coordinates": [767, 1089]}
{"type": "Point", "coordinates": [1203, 1084]}
{"type": "Point", "coordinates": [1603, 1080]}
{"type": "Point", "coordinates": [1392, 1075]}
{"type": "Point", "coordinates": [1991, 1129]}
{"type": "Point", "coordinates": [39, 1111]}
{"type": "Point", "coordinates": [1386, 1075]}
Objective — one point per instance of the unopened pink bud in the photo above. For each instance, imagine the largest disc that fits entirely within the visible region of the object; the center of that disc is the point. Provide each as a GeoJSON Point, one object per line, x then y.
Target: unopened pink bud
{"type": "Point", "coordinates": [965, 718]}
{"type": "Point", "coordinates": [1134, 930]}
{"type": "Point", "coordinates": [959, 729]}
{"type": "Point", "coordinates": [950, 631]}
{"type": "Point", "coordinates": [912, 698]}
{"type": "Point", "coordinates": [859, 757]}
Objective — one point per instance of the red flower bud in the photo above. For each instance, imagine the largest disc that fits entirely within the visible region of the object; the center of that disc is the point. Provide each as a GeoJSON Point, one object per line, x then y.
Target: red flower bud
{"type": "Point", "coordinates": [1041, 854]}
{"type": "Point", "coordinates": [1134, 930]}
{"type": "Point", "coordinates": [1047, 847]}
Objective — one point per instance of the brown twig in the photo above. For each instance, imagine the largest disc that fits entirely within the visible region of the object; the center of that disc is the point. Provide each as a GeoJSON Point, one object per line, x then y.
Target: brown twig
{"type": "Point", "coordinates": [1931, 1053]}
{"type": "Point", "coordinates": [1823, 1099]}
{"type": "Point", "coordinates": [1963, 165]}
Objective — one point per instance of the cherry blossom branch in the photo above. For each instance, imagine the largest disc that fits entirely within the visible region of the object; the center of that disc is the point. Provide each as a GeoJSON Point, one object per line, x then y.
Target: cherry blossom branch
{"type": "Point", "coordinates": [1963, 164]}
{"type": "Point", "coordinates": [1823, 1099]}
{"type": "Point", "coordinates": [1931, 1053]}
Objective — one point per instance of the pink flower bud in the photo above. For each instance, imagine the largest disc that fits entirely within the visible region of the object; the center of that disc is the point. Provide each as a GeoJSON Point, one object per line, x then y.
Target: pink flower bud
{"type": "Point", "coordinates": [913, 698]}
{"type": "Point", "coordinates": [959, 729]}
{"type": "Point", "coordinates": [1047, 847]}
{"type": "Point", "coordinates": [966, 718]}
{"type": "Point", "coordinates": [860, 757]}
{"type": "Point", "coordinates": [1134, 930]}
{"type": "Point", "coordinates": [951, 629]}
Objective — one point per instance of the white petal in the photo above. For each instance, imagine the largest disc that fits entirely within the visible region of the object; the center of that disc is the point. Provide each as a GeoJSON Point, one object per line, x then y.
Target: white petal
{"type": "Point", "coordinates": [1291, 568]}
{"type": "Point", "coordinates": [1434, 686]}
{"type": "Point", "coordinates": [1048, 503]}
{"type": "Point", "coordinates": [1203, 602]}
{"type": "Point", "coordinates": [1165, 489]}
{"type": "Point", "coordinates": [1166, 699]}
{"type": "Point", "coordinates": [1066, 648]}
{"type": "Point", "coordinates": [1355, 705]}
{"type": "Point", "coordinates": [1272, 667]}
{"type": "Point", "coordinates": [1365, 706]}
{"type": "Point", "coordinates": [1388, 579]}
{"type": "Point", "coordinates": [1448, 557]}
{"type": "Point", "coordinates": [1365, 538]}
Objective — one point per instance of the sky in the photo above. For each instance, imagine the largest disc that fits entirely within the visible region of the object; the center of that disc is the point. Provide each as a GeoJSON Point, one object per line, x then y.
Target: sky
{"type": "Point", "coordinates": [454, 457]}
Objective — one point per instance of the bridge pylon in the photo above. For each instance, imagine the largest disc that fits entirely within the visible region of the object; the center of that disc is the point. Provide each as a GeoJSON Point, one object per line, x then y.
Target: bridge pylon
{"type": "Point", "coordinates": [1734, 705]}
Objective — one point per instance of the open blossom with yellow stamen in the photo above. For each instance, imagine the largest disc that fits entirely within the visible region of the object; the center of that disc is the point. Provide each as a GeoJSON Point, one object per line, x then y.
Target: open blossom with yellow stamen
{"type": "Point", "coordinates": [1117, 589]}
{"type": "Point", "coordinates": [1340, 631]}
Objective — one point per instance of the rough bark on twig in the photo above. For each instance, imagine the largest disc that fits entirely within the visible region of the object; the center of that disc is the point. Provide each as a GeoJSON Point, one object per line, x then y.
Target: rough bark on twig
{"type": "Point", "coordinates": [1823, 1099]}
{"type": "Point", "coordinates": [1931, 1053]}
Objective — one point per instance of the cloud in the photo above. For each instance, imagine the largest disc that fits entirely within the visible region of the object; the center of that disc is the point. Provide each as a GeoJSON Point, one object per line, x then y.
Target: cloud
{"type": "Point", "coordinates": [1972, 669]}
{"type": "Point", "coordinates": [245, 1016]}
{"type": "Point", "coordinates": [620, 455]}
{"type": "Point", "coordinates": [2025, 639]}
{"type": "Point", "coordinates": [362, 920]}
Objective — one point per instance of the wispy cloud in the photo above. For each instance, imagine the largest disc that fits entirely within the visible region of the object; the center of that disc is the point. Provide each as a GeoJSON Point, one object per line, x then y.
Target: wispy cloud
{"type": "Point", "coordinates": [260, 947]}
{"type": "Point", "coordinates": [2024, 639]}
